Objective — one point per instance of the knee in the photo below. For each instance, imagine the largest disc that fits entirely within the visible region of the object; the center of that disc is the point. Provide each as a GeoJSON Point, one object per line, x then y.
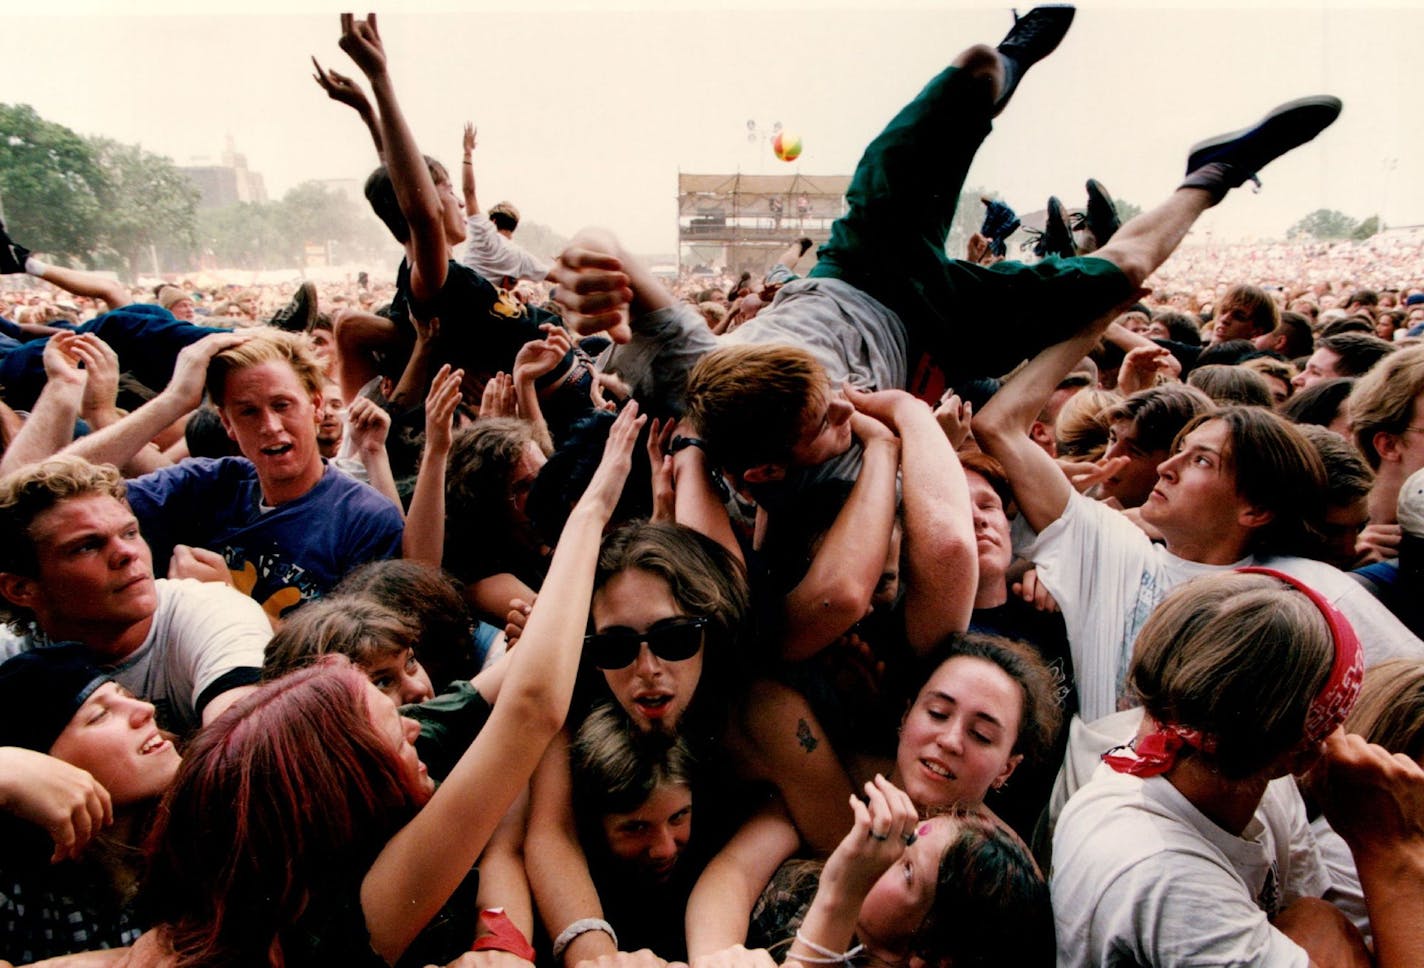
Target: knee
{"type": "Point", "coordinates": [1131, 262]}
{"type": "Point", "coordinates": [981, 60]}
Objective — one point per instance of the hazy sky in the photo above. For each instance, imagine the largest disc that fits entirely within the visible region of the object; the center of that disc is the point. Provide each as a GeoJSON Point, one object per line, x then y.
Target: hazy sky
{"type": "Point", "coordinates": [588, 111]}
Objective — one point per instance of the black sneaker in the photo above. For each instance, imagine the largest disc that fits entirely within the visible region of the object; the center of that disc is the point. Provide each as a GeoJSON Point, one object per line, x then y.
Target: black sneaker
{"type": "Point", "coordinates": [1000, 222]}
{"type": "Point", "coordinates": [1056, 237]}
{"type": "Point", "coordinates": [805, 243]}
{"type": "Point", "coordinates": [1033, 37]}
{"type": "Point", "coordinates": [1101, 217]}
{"type": "Point", "coordinates": [300, 312]}
{"type": "Point", "coordinates": [12, 256]}
{"type": "Point", "coordinates": [1229, 161]}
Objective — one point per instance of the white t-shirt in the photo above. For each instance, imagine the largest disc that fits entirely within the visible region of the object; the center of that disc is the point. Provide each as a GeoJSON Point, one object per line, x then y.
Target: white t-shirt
{"type": "Point", "coordinates": [1107, 577]}
{"type": "Point", "coordinates": [1142, 877]}
{"type": "Point", "coordinates": [493, 256]}
{"type": "Point", "coordinates": [201, 631]}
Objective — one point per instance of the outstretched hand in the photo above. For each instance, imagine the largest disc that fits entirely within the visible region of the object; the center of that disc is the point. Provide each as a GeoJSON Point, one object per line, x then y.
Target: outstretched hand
{"type": "Point", "coordinates": [592, 287]}
{"type": "Point", "coordinates": [440, 404]}
{"type": "Point", "coordinates": [362, 43]}
{"type": "Point", "coordinates": [606, 486]}
{"type": "Point", "coordinates": [469, 139]}
{"type": "Point", "coordinates": [190, 370]}
{"type": "Point", "coordinates": [884, 826]}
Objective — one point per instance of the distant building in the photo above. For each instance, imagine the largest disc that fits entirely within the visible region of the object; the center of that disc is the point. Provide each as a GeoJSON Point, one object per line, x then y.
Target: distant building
{"type": "Point", "coordinates": [227, 182]}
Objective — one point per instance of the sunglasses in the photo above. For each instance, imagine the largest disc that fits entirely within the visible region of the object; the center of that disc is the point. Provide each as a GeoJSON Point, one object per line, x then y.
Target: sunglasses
{"type": "Point", "coordinates": [671, 640]}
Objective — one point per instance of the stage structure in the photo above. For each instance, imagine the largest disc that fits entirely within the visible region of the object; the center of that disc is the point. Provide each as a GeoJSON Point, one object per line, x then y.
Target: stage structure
{"type": "Point", "coordinates": [744, 221]}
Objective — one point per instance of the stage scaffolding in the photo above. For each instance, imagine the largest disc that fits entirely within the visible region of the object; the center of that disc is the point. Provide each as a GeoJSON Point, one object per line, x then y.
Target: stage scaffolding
{"type": "Point", "coordinates": [743, 222]}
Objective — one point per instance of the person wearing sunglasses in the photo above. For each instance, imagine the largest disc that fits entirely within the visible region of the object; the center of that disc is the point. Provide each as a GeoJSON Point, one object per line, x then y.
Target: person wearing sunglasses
{"type": "Point", "coordinates": [665, 656]}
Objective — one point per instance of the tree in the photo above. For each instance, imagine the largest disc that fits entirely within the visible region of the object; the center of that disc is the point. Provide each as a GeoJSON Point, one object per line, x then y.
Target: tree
{"type": "Point", "coordinates": [1367, 228]}
{"type": "Point", "coordinates": [50, 183]}
{"type": "Point", "coordinates": [1126, 211]}
{"type": "Point", "coordinates": [1324, 223]}
{"type": "Point", "coordinates": [147, 202]}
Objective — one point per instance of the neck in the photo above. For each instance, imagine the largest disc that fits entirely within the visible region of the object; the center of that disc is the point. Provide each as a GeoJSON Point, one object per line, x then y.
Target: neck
{"type": "Point", "coordinates": [280, 492]}
{"type": "Point", "coordinates": [1383, 501]}
{"type": "Point", "coordinates": [108, 645]}
{"type": "Point", "coordinates": [1229, 804]}
{"type": "Point", "coordinates": [993, 592]}
{"type": "Point", "coordinates": [1210, 549]}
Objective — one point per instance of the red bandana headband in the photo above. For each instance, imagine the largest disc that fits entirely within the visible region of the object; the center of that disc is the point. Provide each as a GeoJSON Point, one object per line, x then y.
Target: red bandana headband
{"type": "Point", "coordinates": [1156, 752]}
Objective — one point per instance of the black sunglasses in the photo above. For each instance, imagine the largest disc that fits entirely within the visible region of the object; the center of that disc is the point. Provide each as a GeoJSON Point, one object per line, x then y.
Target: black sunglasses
{"type": "Point", "coordinates": [671, 640]}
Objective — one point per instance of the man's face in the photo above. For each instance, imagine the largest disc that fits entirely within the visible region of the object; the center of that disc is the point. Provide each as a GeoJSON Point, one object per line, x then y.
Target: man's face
{"type": "Point", "coordinates": [452, 211]}
{"type": "Point", "coordinates": [95, 570]}
{"type": "Point", "coordinates": [1131, 485]}
{"type": "Point", "coordinates": [183, 309]}
{"type": "Point", "coordinates": [1232, 322]}
{"type": "Point", "coordinates": [330, 425]}
{"type": "Point", "coordinates": [826, 431]}
{"type": "Point", "coordinates": [991, 529]}
{"type": "Point", "coordinates": [273, 419]}
{"type": "Point", "coordinates": [1320, 366]}
{"type": "Point", "coordinates": [1195, 499]}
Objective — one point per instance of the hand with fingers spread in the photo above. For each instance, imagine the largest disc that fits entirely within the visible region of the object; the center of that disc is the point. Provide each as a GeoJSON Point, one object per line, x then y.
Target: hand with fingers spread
{"type": "Point", "coordinates": [61, 363]}
{"type": "Point", "coordinates": [499, 398]}
{"type": "Point", "coordinates": [1087, 474]}
{"type": "Point", "coordinates": [101, 392]}
{"type": "Point", "coordinates": [342, 89]}
{"type": "Point", "coordinates": [606, 486]}
{"type": "Point", "coordinates": [362, 43]}
{"type": "Point", "coordinates": [661, 462]}
{"type": "Point", "coordinates": [65, 800]}
{"type": "Point", "coordinates": [468, 142]}
{"type": "Point", "coordinates": [1142, 366]}
{"type": "Point", "coordinates": [440, 404]}
{"type": "Point", "coordinates": [541, 356]}
{"type": "Point", "coordinates": [954, 416]}
{"type": "Point", "coordinates": [368, 423]}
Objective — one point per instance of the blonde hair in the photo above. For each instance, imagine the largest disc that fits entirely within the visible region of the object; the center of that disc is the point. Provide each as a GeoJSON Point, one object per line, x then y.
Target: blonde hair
{"type": "Point", "coordinates": [1081, 431]}
{"type": "Point", "coordinates": [266, 347]}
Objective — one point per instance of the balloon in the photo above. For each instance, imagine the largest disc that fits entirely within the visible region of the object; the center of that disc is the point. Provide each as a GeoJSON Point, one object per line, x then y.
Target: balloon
{"type": "Point", "coordinates": [787, 146]}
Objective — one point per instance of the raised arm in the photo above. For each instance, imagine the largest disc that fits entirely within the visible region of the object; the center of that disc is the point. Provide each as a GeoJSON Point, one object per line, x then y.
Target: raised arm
{"type": "Point", "coordinates": [424, 538]}
{"type": "Point", "coordinates": [596, 280]}
{"type": "Point", "coordinates": [422, 865]}
{"type": "Point", "coordinates": [942, 573]}
{"type": "Point", "coordinates": [467, 171]}
{"type": "Point", "coordinates": [50, 425]}
{"type": "Point", "coordinates": [415, 190]}
{"type": "Point", "coordinates": [344, 90]}
{"type": "Point", "coordinates": [1001, 428]}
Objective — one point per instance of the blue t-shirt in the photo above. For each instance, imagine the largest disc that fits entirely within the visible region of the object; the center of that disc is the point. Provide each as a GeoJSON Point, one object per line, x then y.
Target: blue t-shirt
{"type": "Point", "coordinates": [280, 556]}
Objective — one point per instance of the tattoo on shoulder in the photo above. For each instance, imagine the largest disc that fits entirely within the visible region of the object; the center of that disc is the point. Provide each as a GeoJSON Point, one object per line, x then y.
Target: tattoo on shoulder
{"type": "Point", "coordinates": [805, 737]}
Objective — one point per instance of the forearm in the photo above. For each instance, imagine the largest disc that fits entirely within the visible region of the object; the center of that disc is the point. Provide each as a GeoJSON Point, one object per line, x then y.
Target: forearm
{"type": "Point", "coordinates": [467, 185]}
{"type": "Point", "coordinates": [720, 907]}
{"type": "Point", "coordinates": [424, 536]}
{"type": "Point", "coordinates": [837, 589]}
{"type": "Point", "coordinates": [373, 125]}
{"type": "Point", "coordinates": [527, 398]}
{"type": "Point", "coordinates": [829, 923]}
{"type": "Point", "coordinates": [49, 428]}
{"type": "Point", "coordinates": [1393, 884]}
{"type": "Point", "coordinates": [697, 503]}
{"type": "Point", "coordinates": [120, 442]}
{"type": "Point", "coordinates": [414, 188]}
{"type": "Point", "coordinates": [378, 471]}
{"type": "Point", "coordinates": [415, 378]}
{"type": "Point", "coordinates": [557, 867]}
{"type": "Point", "coordinates": [503, 882]}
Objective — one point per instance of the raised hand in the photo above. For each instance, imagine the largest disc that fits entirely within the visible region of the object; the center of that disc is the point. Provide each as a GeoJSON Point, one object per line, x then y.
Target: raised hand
{"type": "Point", "coordinates": [362, 43]}
{"type": "Point", "coordinates": [440, 404]}
{"type": "Point", "coordinates": [341, 88]}
{"type": "Point", "coordinates": [469, 140]}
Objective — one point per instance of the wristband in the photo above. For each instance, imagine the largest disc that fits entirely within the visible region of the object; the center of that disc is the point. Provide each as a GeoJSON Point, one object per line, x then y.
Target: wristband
{"type": "Point", "coordinates": [581, 926]}
{"type": "Point", "coordinates": [504, 935]}
{"type": "Point", "coordinates": [682, 443]}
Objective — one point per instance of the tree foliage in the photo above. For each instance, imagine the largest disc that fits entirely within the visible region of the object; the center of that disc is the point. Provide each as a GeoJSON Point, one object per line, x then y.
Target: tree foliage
{"type": "Point", "coordinates": [1325, 223]}
{"type": "Point", "coordinates": [50, 182]}
{"type": "Point", "coordinates": [147, 202]}
{"type": "Point", "coordinates": [275, 234]}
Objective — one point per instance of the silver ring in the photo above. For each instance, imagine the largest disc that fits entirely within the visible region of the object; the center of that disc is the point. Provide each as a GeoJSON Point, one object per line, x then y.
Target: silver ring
{"type": "Point", "coordinates": [875, 836]}
{"type": "Point", "coordinates": [910, 838]}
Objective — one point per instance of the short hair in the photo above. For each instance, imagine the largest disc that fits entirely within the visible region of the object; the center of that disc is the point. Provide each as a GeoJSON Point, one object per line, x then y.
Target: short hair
{"type": "Point", "coordinates": [1269, 366]}
{"type": "Point", "coordinates": [1181, 328]}
{"type": "Point", "coordinates": [1383, 399]}
{"type": "Point", "coordinates": [1358, 352]}
{"type": "Point", "coordinates": [1081, 432]}
{"type": "Point", "coordinates": [1255, 303]}
{"type": "Point", "coordinates": [359, 629]}
{"type": "Point", "coordinates": [1363, 297]}
{"type": "Point", "coordinates": [205, 435]}
{"type": "Point", "coordinates": [1295, 329]}
{"type": "Point", "coordinates": [29, 492]}
{"type": "Point", "coordinates": [1390, 710]}
{"type": "Point", "coordinates": [267, 346]}
{"type": "Point", "coordinates": [992, 471]}
{"type": "Point", "coordinates": [615, 769]}
{"type": "Point", "coordinates": [1320, 402]}
{"type": "Point", "coordinates": [504, 216]}
{"type": "Point", "coordinates": [751, 403]}
{"type": "Point", "coordinates": [381, 193]}
{"type": "Point", "coordinates": [1347, 477]}
{"type": "Point", "coordinates": [1229, 352]}
{"type": "Point", "coordinates": [1158, 413]}
{"type": "Point", "coordinates": [1232, 384]}
{"type": "Point", "coordinates": [1238, 657]}
{"type": "Point", "coordinates": [1276, 469]}
{"type": "Point", "coordinates": [1042, 712]}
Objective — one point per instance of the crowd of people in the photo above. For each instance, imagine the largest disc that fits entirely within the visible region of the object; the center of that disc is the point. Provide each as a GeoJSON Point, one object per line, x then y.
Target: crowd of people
{"type": "Point", "coordinates": [534, 610]}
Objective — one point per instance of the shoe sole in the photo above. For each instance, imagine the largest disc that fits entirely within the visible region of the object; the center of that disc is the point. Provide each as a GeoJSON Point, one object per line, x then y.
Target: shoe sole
{"type": "Point", "coordinates": [1098, 198]}
{"type": "Point", "coordinates": [1057, 16]}
{"type": "Point", "coordinates": [1284, 129]}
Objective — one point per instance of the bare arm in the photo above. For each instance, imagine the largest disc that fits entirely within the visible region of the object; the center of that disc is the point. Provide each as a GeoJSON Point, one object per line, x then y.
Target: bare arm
{"type": "Point", "coordinates": [836, 591]}
{"type": "Point", "coordinates": [558, 868]}
{"type": "Point", "coordinates": [941, 553]}
{"type": "Point", "coordinates": [1040, 488]}
{"type": "Point", "coordinates": [467, 172]}
{"type": "Point", "coordinates": [503, 882]}
{"type": "Point", "coordinates": [410, 177]}
{"type": "Point", "coordinates": [344, 90]}
{"type": "Point", "coordinates": [424, 537]}
{"type": "Point", "coordinates": [119, 442]}
{"type": "Point", "coordinates": [414, 378]}
{"type": "Point", "coordinates": [50, 425]}
{"type": "Point", "coordinates": [369, 426]}
{"type": "Point", "coordinates": [596, 282]}
{"type": "Point", "coordinates": [720, 907]}
{"type": "Point", "coordinates": [423, 864]}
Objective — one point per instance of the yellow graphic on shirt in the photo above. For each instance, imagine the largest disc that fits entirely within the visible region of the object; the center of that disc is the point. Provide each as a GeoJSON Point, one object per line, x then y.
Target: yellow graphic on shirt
{"type": "Point", "coordinates": [277, 603]}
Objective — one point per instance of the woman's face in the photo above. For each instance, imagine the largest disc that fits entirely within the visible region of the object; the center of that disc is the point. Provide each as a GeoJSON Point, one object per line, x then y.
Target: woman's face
{"type": "Point", "coordinates": [897, 904]}
{"type": "Point", "coordinates": [400, 676]}
{"type": "Point", "coordinates": [399, 733]}
{"type": "Point", "coordinates": [653, 691]}
{"type": "Point", "coordinates": [958, 738]}
{"type": "Point", "coordinates": [114, 737]}
{"type": "Point", "coordinates": [652, 837]}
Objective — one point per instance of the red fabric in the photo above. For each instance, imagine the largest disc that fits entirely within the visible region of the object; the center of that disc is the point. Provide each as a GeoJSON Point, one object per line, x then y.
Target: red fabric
{"type": "Point", "coordinates": [503, 935]}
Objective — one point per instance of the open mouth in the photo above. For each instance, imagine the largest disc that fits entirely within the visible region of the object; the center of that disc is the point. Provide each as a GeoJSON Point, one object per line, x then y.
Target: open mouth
{"type": "Point", "coordinates": [938, 769]}
{"type": "Point", "coordinates": [277, 450]}
{"type": "Point", "coordinates": [653, 706]}
{"type": "Point", "coordinates": [153, 744]}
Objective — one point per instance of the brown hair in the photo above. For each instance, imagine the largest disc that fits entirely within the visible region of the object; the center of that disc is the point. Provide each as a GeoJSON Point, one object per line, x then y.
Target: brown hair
{"type": "Point", "coordinates": [1383, 399]}
{"type": "Point", "coordinates": [1390, 710]}
{"type": "Point", "coordinates": [751, 403]}
{"type": "Point", "coordinates": [1255, 302]}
